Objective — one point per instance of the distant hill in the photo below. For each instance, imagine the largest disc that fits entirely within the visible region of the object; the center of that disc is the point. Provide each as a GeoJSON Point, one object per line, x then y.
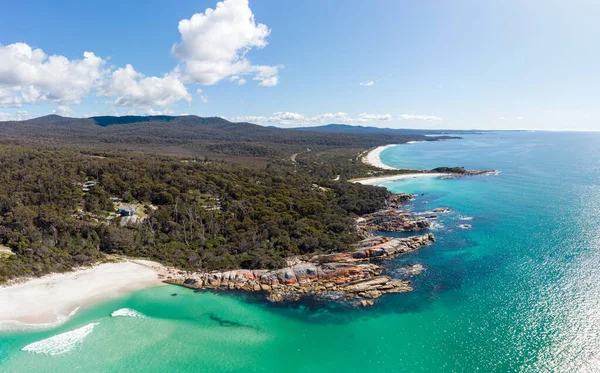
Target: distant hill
{"type": "Point", "coordinates": [128, 119]}
{"type": "Point", "coordinates": [191, 135]}
{"type": "Point", "coordinates": [346, 128]}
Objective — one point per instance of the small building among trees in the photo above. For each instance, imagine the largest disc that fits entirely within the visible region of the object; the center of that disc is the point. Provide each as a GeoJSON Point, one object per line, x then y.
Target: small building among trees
{"type": "Point", "coordinates": [127, 210]}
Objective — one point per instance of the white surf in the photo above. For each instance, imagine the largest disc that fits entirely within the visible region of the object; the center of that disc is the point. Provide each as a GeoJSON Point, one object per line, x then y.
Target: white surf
{"type": "Point", "coordinates": [61, 343]}
{"type": "Point", "coordinates": [127, 312]}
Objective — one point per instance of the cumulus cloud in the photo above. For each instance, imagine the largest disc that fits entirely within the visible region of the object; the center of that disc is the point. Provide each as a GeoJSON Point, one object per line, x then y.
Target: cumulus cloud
{"type": "Point", "coordinates": [368, 84]}
{"type": "Point", "coordinates": [251, 119]}
{"type": "Point", "coordinates": [297, 119]}
{"type": "Point", "coordinates": [418, 117]}
{"type": "Point", "coordinates": [152, 111]}
{"type": "Point", "coordinates": [214, 45]}
{"type": "Point", "coordinates": [134, 89]}
{"type": "Point", "coordinates": [289, 116]}
{"type": "Point", "coordinates": [30, 76]}
{"type": "Point", "coordinates": [339, 117]}
{"type": "Point", "coordinates": [269, 82]}
{"type": "Point", "coordinates": [64, 111]}
{"type": "Point", "coordinates": [119, 112]}
{"type": "Point", "coordinates": [364, 117]}
{"type": "Point", "coordinates": [17, 115]}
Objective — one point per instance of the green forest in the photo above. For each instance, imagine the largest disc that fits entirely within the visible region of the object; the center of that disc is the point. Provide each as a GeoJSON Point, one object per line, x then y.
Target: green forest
{"type": "Point", "coordinates": [195, 213]}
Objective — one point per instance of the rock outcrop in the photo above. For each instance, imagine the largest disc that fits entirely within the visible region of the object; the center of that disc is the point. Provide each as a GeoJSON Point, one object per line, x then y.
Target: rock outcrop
{"type": "Point", "coordinates": [454, 175]}
{"type": "Point", "coordinates": [394, 220]}
{"type": "Point", "coordinates": [353, 274]}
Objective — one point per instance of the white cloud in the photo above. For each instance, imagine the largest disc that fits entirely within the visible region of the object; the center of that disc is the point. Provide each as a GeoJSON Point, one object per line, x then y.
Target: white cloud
{"type": "Point", "coordinates": [339, 117]}
{"type": "Point", "coordinates": [418, 117]}
{"type": "Point", "coordinates": [364, 117]}
{"type": "Point", "coordinates": [30, 76]}
{"type": "Point", "coordinates": [134, 89]}
{"type": "Point", "coordinates": [151, 111]}
{"type": "Point", "coordinates": [203, 96]}
{"type": "Point", "coordinates": [214, 45]}
{"type": "Point", "coordinates": [250, 118]}
{"type": "Point", "coordinates": [64, 111]}
{"type": "Point", "coordinates": [269, 82]}
{"type": "Point", "coordinates": [236, 78]}
{"type": "Point", "coordinates": [368, 84]}
{"type": "Point", "coordinates": [17, 115]}
{"type": "Point", "coordinates": [117, 112]}
{"type": "Point", "coordinates": [297, 119]}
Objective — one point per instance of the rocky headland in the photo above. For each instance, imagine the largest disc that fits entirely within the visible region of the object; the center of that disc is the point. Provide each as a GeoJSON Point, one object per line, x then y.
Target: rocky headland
{"type": "Point", "coordinates": [355, 275]}
{"type": "Point", "coordinates": [456, 172]}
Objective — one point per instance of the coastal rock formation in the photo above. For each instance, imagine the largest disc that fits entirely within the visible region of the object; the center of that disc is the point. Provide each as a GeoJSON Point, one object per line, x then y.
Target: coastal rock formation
{"type": "Point", "coordinates": [399, 199]}
{"type": "Point", "coordinates": [353, 274]}
{"type": "Point", "coordinates": [457, 172]}
{"type": "Point", "coordinates": [394, 220]}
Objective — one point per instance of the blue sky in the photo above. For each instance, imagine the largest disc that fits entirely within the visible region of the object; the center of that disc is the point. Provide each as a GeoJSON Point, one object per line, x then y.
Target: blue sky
{"type": "Point", "coordinates": [415, 64]}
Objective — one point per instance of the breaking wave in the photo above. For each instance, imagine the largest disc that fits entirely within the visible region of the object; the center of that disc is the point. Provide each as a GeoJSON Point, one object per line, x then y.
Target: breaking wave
{"type": "Point", "coordinates": [436, 226]}
{"type": "Point", "coordinates": [127, 312]}
{"type": "Point", "coordinates": [61, 343]}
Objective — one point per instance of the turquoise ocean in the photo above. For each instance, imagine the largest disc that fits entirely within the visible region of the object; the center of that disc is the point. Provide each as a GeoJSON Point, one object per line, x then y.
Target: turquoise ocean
{"type": "Point", "coordinates": [517, 292]}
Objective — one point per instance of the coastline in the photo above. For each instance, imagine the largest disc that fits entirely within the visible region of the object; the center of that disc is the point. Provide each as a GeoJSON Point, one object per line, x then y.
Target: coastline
{"type": "Point", "coordinates": [49, 301]}
{"type": "Point", "coordinates": [373, 158]}
{"type": "Point", "coordinates": [379, 179]}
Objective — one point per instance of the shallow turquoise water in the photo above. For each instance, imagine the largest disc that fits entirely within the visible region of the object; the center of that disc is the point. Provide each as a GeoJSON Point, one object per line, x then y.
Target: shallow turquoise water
{"type": "Point", "coordinates": [520, 291]}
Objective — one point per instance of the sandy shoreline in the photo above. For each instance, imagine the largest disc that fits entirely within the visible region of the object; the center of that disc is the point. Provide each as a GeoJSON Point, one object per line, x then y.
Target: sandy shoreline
{"type": "Point", "coordinates": [380, 179]}
{"type": "Point", "coordinates": [51, 300]}
{"type": "Point", "coordinates": [373, 158]}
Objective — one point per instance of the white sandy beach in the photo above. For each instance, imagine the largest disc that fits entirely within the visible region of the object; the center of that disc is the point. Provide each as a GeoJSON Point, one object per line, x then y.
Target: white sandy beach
{"type": "Point", "coordinates": [373, 158]}
{"type": "Point", "coordinates": [50, 300]}
{"type": "Point", "coordinates": [380, 179]}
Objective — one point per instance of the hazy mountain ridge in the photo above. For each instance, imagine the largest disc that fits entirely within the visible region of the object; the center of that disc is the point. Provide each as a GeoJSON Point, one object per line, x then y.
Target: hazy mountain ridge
{"type": "Point", "coordinates": [347, 128]}
{"type": "Point", "coordinates": [190, 135]}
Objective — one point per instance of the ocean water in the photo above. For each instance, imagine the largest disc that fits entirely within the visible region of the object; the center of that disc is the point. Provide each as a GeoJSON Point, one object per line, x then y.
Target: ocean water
{"type": "Point", "coordinates": [517, 292]}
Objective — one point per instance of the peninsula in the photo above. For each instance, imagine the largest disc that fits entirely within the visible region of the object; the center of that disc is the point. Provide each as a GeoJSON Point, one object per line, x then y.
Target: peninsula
{"type": "Point", "coordinates": [219, 205]}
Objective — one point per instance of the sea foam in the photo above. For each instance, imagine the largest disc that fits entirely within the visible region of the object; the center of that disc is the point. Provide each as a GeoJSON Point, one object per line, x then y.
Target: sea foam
{"type": "Point", "coordinates": [127, 312]}
{"type": "Point", "coordinates": [61, 343]}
